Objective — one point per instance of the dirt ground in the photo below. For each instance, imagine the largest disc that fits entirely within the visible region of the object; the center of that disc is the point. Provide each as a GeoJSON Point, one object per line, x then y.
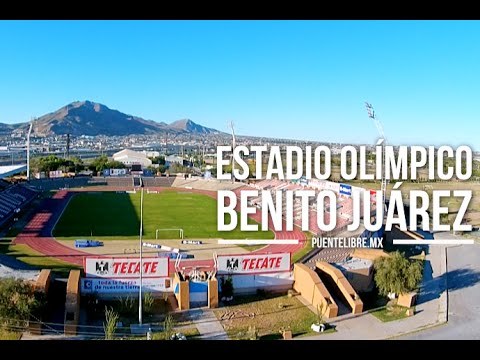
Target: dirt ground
{"type": "Point", "coordinates": [131, 248]}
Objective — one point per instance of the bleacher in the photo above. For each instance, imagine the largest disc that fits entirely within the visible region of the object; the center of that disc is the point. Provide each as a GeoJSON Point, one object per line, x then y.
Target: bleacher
{"type": "Point", "coordinates": [58, 183]}
{"type": "Point", "coordinates": [159, 181]}
{"type": "Point", "coordinates": [3, 184]}
{"type": "Point", "coordinates": [344, 205]}
{"type": "Point", "coordinates": [12, 199]}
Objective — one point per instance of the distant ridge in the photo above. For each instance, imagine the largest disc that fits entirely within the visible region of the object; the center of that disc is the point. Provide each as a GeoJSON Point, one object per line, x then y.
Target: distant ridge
{"type": "Point", "coordinates": [191, 127]}
{"type": "Point", "coordinates": [91, 118]}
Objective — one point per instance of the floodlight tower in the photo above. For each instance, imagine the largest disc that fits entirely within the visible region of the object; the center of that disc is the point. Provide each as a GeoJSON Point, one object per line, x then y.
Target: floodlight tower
{"type": "Point", "coordinates": [68, 146]}
{"type": "Point", "coordinates": [233, 147]}
{"type": "Point", "coordinates": [28, 149]}
{"type": "Point", "coordinates": [382, 141]}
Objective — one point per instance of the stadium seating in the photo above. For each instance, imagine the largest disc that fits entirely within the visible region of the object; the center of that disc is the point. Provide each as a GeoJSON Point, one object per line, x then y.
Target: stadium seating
{"type": "Point", "coordinates": [344, 205]}
{"type": "Point", "coordinates": [158, 181]}
{"type": "Point", "coordinates": [12, 199]}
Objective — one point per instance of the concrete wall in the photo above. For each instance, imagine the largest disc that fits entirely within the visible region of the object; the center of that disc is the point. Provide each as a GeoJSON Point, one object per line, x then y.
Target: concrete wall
{"type": "Point", "coordinates": [72, 303]}
{"type": "Point", "coordinates": [312, 289]}
{"type": "Point", "coordinates": [249, 284]}
{"type": "Point", "coordinates": [42, 284]}
{"type": "Point", "coordinates": [213, 293]}
{"type": "Point", "coordinates": [360, 279]}
{"type": "Point", "coordinates": [43, 281]}
{"type": "Point", "coordinates": [343, 285]}
{"type": "Point", "coordinates": [407, 300]}
{"type": "Point", "coordinates": [183, 294]}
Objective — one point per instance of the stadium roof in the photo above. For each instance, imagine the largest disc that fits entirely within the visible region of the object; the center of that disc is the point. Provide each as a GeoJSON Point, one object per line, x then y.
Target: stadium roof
{"type": "Point", "coordinates": [6, 171]}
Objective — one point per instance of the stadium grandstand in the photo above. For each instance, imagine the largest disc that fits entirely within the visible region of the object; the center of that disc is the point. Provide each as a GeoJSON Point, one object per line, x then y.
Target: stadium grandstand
{"type": "Point", "coordinates": [344, 216]}
{"type": "Point", "coordinates": [13, 197]}
{"type": "Point", "coordinates": [344, 204]}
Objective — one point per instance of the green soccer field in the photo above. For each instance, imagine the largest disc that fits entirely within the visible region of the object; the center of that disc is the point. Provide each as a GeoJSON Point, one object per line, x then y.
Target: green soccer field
{"type": "Point", "coordinates": [108, 215]}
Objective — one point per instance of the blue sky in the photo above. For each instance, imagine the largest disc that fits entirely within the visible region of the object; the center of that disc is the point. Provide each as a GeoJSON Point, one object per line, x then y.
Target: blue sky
{"type": "Point", "coordinates": [294, 79]}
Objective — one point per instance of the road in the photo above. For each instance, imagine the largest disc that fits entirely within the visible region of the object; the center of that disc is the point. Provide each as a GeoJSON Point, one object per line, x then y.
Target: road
{"type": "Point", "coordinates": [463, 281]}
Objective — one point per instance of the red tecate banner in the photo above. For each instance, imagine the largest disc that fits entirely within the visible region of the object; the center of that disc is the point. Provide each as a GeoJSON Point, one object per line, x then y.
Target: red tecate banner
{"type": "Point", "coordinates": [125, 267]}
{"type": "Point", "coordinates": [253, 264]}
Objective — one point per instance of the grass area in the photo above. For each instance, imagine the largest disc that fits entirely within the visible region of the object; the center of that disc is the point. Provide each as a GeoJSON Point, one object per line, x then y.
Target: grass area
{"type": "Point", "coordinates": [390, 313]}
{"type": "Point", "coordinates": [31, 257]}
{"type": "Point", "coordinates": [305, 249]}
{"type": "Point", "coordinates": [127, 309]}
{"type": "Point", "coordinates": [268, 316]}
{"type": "Point", "coordinates": [189, 332]}
{"type": "Point", "coordinates": [9, 335]}
{"type": "Point", "coordinates": [108, 215]}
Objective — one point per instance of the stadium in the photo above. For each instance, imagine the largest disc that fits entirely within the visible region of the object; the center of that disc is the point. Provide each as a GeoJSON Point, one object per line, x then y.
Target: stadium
{"type": "Point", "coordinates": [93, 224]}
{"type": "Point", "coordinates": [108, 210]}
{"type": "Point", "coordinates": [106, 240]}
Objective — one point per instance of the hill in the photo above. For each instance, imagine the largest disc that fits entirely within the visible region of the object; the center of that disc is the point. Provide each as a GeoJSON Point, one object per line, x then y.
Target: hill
{"type": "Point", "coordinates": [90, 118]}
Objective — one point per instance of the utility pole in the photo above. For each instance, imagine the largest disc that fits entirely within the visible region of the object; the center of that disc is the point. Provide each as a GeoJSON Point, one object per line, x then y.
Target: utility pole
{"type": "Point", "coordinates": [68, 146]}
{"type": "Point", "coordinates": [166, 143]}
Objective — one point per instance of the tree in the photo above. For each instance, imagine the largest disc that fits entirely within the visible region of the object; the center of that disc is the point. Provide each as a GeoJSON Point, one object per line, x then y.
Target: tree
{"type": "Point", "coordinates": [397, 274]}
{"type": "Point", "coordinates": [110, 324]}
{"type": "Point", "coordinates": [168, 325]}
{"type": "Point", "coordinates": [148, 301]}
{"type": "Point", "coordinates": [321, 310]}
{"type": "Point", "coordinates": [98, 164]}
{"type": "Point", "coordinates": [47, 163]}
{"type": "Point", "coordinates": [114, 165]}
{"type": "Point", "coordinates": [19, 301]}
{"type": "Point", "coordinates": [77, 163]}
{"type": "Point", "coordinates": [160, 160]}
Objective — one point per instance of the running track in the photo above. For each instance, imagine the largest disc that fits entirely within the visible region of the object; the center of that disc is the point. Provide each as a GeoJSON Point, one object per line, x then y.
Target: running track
{"type": "Point", "coordinates": [38, 232]}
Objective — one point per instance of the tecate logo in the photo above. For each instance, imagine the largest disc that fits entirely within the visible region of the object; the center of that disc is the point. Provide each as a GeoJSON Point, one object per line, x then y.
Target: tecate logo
{"type": "Point", "coordinates": [125, 267]}
{"type": "Point", "coordinates": [232, 264]}
{"type": "Point", "coordinates": [262, 263]}
{"type": "Point", "coordinates": [133, 267]}
{"type": "Point", "coordinates": [102, 267]}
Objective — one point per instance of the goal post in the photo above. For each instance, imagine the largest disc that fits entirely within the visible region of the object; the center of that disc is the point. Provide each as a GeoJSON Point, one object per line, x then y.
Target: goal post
{"type": "Point", "coordinates": [180, 232]}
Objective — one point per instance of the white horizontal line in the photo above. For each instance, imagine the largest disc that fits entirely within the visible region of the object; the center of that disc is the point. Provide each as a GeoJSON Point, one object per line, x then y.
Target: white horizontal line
{"type": "Point", "coordinates": [257, 242]}
{"type": "Point", "coordinates": [433, 242]}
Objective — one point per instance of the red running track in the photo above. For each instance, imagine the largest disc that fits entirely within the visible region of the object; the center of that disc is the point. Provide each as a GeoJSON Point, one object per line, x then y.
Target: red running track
{"type": "Point", "coordinates": [38, 232]}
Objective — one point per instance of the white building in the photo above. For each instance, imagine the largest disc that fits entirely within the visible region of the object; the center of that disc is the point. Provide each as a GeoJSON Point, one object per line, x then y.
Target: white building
{"type": "Point", "coordinates": [151, 154]}
{"type": "Point", "coordinates": [171, 159]}
{"type": "Point", "coordinates": [130, 157]}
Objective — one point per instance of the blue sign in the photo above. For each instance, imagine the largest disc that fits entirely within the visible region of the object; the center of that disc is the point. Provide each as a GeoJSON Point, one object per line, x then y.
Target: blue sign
{"type": "Point", "coordinates": [345, 189]}
{"type": "Point", "coordinates": [174, 255]}
{"type": "Point", "coordinates": [303, 180]}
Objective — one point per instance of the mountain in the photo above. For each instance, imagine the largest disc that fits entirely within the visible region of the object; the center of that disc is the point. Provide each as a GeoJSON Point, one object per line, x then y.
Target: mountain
{"type": "Point", "coordinates": [189, 126]}
{"type": "Point", "coordinates": [90, 118]}
{"type": "Point", "coordinates": [6, 129]}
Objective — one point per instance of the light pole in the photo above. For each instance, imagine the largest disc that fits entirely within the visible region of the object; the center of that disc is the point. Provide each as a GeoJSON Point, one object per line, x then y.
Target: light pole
{"type": "Point", "coordinates": [28, 149]}
{"type": "Point", "coordinates": [382, 141]}
{"type": "Point", "coordinates": [141, 260]}
{"type": "Point", "coordinates": [233, 148]}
